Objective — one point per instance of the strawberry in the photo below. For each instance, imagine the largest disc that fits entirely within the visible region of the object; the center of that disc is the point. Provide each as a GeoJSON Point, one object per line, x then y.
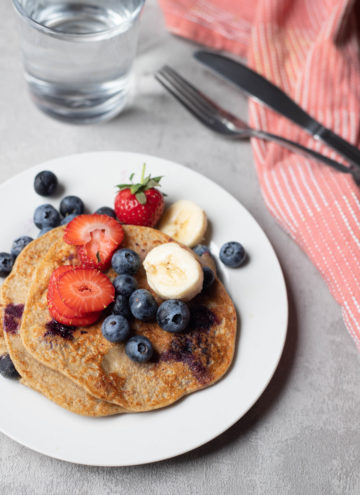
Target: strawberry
{"type": "Point", "coordinates": [53, 297]}
{"type": "Point", "coordinates": [140, 204]}
{"type": "Point", "coordinates": [86, 290]}
{"type": "Point", "coordinates": [97, 237]}
{"type": "Point", "coordinates": [81, 321]}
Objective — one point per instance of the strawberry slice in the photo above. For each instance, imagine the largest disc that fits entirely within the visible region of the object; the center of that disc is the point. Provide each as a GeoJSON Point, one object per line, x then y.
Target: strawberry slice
{"type": "Point", "coordinates": [54, 301]}
{"type": "Point", "coordinates": [86, 290]}
{"type": "Point", "coordinates": [81, 321]}
{"type": "Point", "coordinates": [78, 231]}
{"type": "Point", "coordinates": [98, 252]}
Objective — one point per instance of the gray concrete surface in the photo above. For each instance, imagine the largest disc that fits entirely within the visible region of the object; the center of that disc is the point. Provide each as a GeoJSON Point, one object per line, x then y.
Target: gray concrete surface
{"type": "Point", "coordinates": [302, 436]}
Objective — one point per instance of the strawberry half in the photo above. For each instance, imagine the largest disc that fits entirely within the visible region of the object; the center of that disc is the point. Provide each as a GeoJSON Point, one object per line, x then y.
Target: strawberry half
{"type": "Point", "coordinates": [81, 321]}
{"type": "Point", "coordinates": [86, 290]}
{"type": "Point", "coordinates": [78, 231]}
{"type": "Point", "coordinates": [98, 252]}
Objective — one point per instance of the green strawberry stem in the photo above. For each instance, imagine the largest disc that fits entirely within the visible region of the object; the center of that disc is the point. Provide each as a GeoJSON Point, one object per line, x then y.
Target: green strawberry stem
{"type": "Point", "coordinates": [146, 183]}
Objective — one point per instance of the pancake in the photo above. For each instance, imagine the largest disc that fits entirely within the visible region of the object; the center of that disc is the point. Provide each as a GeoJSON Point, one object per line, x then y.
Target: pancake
{"type": "Point", "coordinates": [35, 375]}
{"type": "Point", "coordinates": [182, 363]}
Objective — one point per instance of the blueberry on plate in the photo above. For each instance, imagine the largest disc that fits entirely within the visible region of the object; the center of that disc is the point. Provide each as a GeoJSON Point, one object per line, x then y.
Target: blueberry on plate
{"type": "Point", "coordinates": [139, 349]}
{"type": "Point", "coordinates": [7, 368]}
{"type": "Point", "coordinates": [44, 231]}
{"type": "Point", "coordinates": [105, 210]}
{"type": "Point", "coordinates": [6, 264]}
{"type": "Point", "coordinates": [45, 183]}
{"type": "Point", "coordinates": [232, 254]}
{"type": "Point", "coordinates": [19, 244]}
{"type": "Point", "coordinates": [125, 261]}
{"type": "Point", "coordinates": [46, 216]}
{"type": "Point", "coordinates": [115, 328]}
{"type": "Point", "coordinates": [71, 205]}
{"type": "Point", "coordinates": [173, 315]}
{"type": "Point", "coordinates": [68, 218]}
{"type": "Point", "coordinates": [200, 249]}
{"type": "Point", "coordinates": [209, 277]}
{"type": "Point", "coordinates": [125, 284]}
{"type": "Point", "coordinates": [121, 306]}
{"type": "Point", "coordinates": [143, 305]}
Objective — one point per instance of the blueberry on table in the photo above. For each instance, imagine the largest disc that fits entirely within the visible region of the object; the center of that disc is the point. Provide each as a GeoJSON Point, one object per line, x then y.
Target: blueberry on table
{"type": "Point", "coordinates": [232, 254]}
{"type": "Point", "coordinates": [200, 249]}
{"type": "Point", "coordinates": [46, 216]}
{"type": "Point", "coordinates": [173, 315]}
{"type": "Point", "coordinates": [125, 284]}
{"type": "Point", "coordinates": [125, 261]}
{"type": "Point", "coordinates": [71, 205]}
{"type": "Point", "coordinates": [45, 183]}
{"type": "Point", "coordinates": [105, 210]}
{"type": "Point", "coordinates": [7, 368]}
{"type": "Point", "coordinates": [44, 231]}
{"type": "Point", "coordinates": [121, 306]}
{"type": "Point", "coordinates": [143, 305]}
{"type": "Point", "coordinates": [19, 244]}
{"type": "Point", "coordinates": [115, 328]}
{"type": "Point", "coordinates": [68, 218]}
{"type": "Point", "coordinates": [6, 264]}
{"type": "Point", "coordinates": [139, 349]}
{"type": "Point", "coordinates": [209, 277]}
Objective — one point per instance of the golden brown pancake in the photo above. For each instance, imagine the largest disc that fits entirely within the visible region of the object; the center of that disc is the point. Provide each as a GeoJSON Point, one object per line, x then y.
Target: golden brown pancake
{"type": "Point", "coordinates": [35, 375]}
{"type": "Point", "coordinates": [182, 363]}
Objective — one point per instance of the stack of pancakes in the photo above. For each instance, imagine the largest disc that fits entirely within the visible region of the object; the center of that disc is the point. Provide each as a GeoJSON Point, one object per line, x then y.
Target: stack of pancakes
{"type": "Point", "coordinates": [83, 372]}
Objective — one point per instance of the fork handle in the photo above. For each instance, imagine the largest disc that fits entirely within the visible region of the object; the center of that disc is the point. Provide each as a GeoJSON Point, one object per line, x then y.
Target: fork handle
{"type": "Point", "coordinates": [298, 148]}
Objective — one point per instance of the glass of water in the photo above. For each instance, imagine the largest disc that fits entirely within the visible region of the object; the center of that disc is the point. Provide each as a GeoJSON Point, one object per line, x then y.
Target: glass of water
{"type": "Point", "coordinates": [78, 55]}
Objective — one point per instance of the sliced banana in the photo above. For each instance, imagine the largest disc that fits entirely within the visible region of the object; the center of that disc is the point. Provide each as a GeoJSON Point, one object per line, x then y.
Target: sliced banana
{"type": "Point", "coordinates": [173, 272]}
{"type": "Point", "coordinates": [185, 222]}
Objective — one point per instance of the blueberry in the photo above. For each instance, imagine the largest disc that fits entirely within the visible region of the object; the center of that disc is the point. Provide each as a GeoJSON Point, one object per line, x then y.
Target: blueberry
{"type": "Point", "coordinates": [143, 305]}
{"type": "Point", "coordinates": [200, 249]}
{"type": "Point", "coordinates": [44, 230]}
{"type": "Point", "coordinates": [45, 183]}
{"type": "Point", "coordinates": [139, 349]}
{"type": "Point", "coordinates": [125, 284]}
{"type": "Point", "coordinates": [46, 216]}
{"type": "Point", "coordinates": [125, 261]}
{"type": "Point", "coordinates": [105, 210]}
{"type": "Point", "coordinates": [232, 254]}
{"type": "Point", "coordinates": [6, 264]}
{"type": "Point", "coordinates": [70, 205]}
{"type": "Point", "coordinates": [115, 328]}
{"type": "Point", "coordinates": [209, 277]}
{"type": "Point", "coordinates": [7, 368]}
{"type": "Point", "coordinates": [19, 244]}
{"type": "Point", "coordinates": [68, 218]}
{"type": "Point", "coordinates": [121, 306]}
{"type": "Point", "coordinates": [173, 315]}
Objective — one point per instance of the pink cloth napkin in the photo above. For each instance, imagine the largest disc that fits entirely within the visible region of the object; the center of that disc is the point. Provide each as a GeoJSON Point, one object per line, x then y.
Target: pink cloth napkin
{"type": "Point", "coordinates": [310, 49]}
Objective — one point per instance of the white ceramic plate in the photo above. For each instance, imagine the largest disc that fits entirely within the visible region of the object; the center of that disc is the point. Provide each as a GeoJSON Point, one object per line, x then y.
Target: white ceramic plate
{"type": "Point", "coordinates": [258, 291]}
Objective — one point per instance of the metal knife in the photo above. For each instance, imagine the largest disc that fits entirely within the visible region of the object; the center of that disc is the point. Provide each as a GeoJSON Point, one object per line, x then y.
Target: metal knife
{"type": "Point", "coordinates": [263, 91]}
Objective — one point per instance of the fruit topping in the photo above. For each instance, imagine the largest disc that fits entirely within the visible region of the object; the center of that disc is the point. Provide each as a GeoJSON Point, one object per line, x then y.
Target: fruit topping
{"type": "Point", "coordinates": [44, 231]}
{"type": "Point", "coordinates": [141, 203]}
{"type": "Point", "coordinates": [143, 305]}
{"type": "Point", "coordinates": [19, 244]}
{"type": "Point", "coordinates": [53, 296]}
{"type": "Point", "coordinates": [71, 205]}
{"type": "Point", "coordinates": [98, 252]}
{"type": "Point", "coordinates": [173, 315]}
{"type": "Point", "coordinates": [68, 219]}
{"type": "Point", "coordinates": [7, 368]}
{"type": "Point", "coordinates": [139, 349]}
{"type": "Point", "coordinates": [125, 261]}
{"type": "Point", "coordinates": [173, 272]}
{"type": "Point", "coordinates": [209, 277]}
{"type": "Point", "coordinates": [121, 306]}
{"type": "Point", "coordinates": [6, 264]}
{"type": "Point", "coordinates": [201, 249]}
{"type": "Point", "coordinates": [45, 183]}
{"type": "Point", "coordinates": [46, 216]}
{"type": "Point", "coordinates": [81, 321]}
{"type": "Point", "coordinates": [185, 222]}
{"type": "Point", "coordinates": [105, 210]}
{"type": "Point", "coordinates": [125, 284]}
{"type": "Point", "coordinates": [115, 328]}
{"type": "Point", "coordinates": [86, 290]}
{"type": "Point", "coordinates": [232, 254]}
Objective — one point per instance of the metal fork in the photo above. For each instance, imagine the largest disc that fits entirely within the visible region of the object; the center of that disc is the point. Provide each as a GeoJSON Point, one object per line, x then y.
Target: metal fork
{"type": "Point", "coordinates": [223, 122]}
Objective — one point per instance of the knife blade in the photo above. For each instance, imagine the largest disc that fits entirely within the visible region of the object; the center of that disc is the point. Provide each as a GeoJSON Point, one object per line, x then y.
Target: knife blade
{"type": "Point", "coordinates": [265, 92]}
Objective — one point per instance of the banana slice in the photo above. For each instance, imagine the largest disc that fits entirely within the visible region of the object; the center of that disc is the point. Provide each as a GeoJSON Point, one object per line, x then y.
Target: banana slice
{"type": "Point", "coordinates": [173, 272]}
{"type": "Point", "coordinates": [185, 222]}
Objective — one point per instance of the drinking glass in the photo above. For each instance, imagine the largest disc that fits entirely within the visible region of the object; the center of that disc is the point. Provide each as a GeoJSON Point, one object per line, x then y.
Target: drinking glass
{"type": "Point", "coordinates": [78, 55]}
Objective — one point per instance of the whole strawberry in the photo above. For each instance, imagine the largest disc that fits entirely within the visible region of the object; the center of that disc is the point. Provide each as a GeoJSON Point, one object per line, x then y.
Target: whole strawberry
{"type": "Point", "coordinates": [140, 204]}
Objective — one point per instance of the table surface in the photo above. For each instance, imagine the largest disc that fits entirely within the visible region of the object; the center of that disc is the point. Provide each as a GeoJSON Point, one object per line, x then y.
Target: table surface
{"type": "Point", "coordinates": [302, 436]}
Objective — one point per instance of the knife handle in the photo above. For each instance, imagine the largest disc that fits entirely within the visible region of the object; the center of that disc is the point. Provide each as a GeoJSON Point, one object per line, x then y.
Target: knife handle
{"type": "Point", "coordinates": [337, 143]}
